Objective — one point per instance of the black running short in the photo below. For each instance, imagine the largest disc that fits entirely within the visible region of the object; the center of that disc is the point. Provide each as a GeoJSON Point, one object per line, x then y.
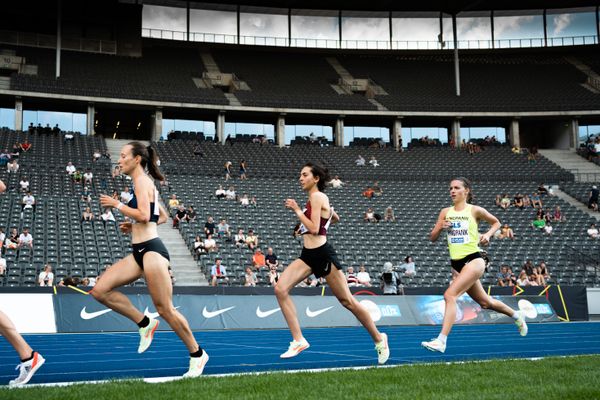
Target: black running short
{"type": "Point", "coordinates": [320, 259]}
{"type": "Point", "coordinates": [156, 245]}
{"type": "Point", "coordinates": [458, 265]}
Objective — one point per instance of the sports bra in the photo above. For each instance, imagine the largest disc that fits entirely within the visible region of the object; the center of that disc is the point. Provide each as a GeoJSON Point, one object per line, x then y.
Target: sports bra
{"type": "Point", "coordinates": [323, 222]}
{"type": "Point", "coordinates": [154, 206]}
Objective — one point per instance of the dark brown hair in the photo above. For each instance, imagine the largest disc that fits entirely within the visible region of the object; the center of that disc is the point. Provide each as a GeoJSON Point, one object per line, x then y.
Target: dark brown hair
{"type": "Point", "coordinates": [321, 172]}
{"type": "Point", "coordinates": [149, 159]}
{"type": "Point", "coordinates": [467, 185]}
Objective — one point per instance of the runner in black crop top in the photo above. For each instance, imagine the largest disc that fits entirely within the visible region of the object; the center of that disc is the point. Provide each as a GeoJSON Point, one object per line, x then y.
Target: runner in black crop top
{"type": "Point", "coordinates": [154, 206]}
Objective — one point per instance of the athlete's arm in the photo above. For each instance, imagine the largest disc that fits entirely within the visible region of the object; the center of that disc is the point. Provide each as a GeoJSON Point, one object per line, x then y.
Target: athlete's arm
{"type": "Point", "coordinates": [2, 187]}
{"type": "Point", "coordinates": [163, 217]}
{"type": "Point", "coordinates": [439, 226]}
{"type": "Point", "coordinates": [335, 218]}
{"type": "Point", "coordinates": [482, 214]}
{"type": "Point", "coordinates": [312, 224]}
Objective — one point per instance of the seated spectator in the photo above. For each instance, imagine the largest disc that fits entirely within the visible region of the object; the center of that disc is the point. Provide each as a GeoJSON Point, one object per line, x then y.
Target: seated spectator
{"type": "Point", "coordinates": [173, 202]}
{"type": "Point", "coordinates": [542, 190]}
{"type": "Point", "coordinates": [593, 198]}
{"type": "Point", "coordinates": [516, 150]}
{"type": "Point", "coordinates": [86, 194]}
{"type": "Point", "coordinates": [107, 216]}
{"type": "Point", "coordinates": [251, 239]}
{"type": "Point", "coordinates": [523, 279]}
{"type": "Point", "coordinates": [250, 277]}
{"type": "Point", "coordinates": [12, 240]}
{"type": "Point", "coordinates": [12, 167]}
{"type": "Point", "coordinates": [96, 155]}
{"type": "Point", "coordinates": [253, 202]}
{"type": "Point", "coordinates": [592, 231]}
{"type": "Point", "coordinates": [258, 259]}
{"type": "Point", "coordinates": [548, 229]}
{"type": "Point", "coordinates": [543, 271]}
{"type": "Point", "coordinates": [179, 216]}
{"type": "Point", "coordinates": [209, 227]}
{"type": "Point", "coordinates": [230, 193]}
{"type": "Point", "coordinates": [271, 258]}
{"type": "Point", "coordinates": [116, 171]}
{"type": "Point", "coordinates": [539, 222]}
{"type": "Point", "coordinates": [518, 201]}
{"type": "Point", "coordinates": [273, 276]}
{"type": "Point", "coordinates": [360, 161]}
{"type": "Point", "coordinates": [373, 161]}
{"type": "Point", "coordinates": [368, 193]}
{"type": "Point", "coordinates": [244, 200]}
{"type": "Point", "coordinates": [369, 216]}
{"type": "Point", "coordinates": [558, 216]}
{"type": "Point", "coordinates": [389, 279]}
{"type": "Point", "coordinates": [28, 202]}
{"type": "Point", "coordinates": [409, 266]}
{"type": "Point", "coordinates": [240, 238]}
{"type": "Point", "coordinates": [46, 277]}
{"type": "Point", "coordinates": [528, 267]}
{"type": "Point", "coordinates": [190, 214]}
{"type": "Point", "coordinates": [2, 238]}
{"type": "Point", "coordinates": [377, 191]}
{"type": "Point", "coordinates": [497, 201]}
{"type": "Point", "coordinates": [505, 277]}
{"type": "Point", "coordinates": [199, 246]}
{"type": "Point", "coordinates": [505, 202]}
{"type": "Point", "coordinates": [26, 146]}
{"type": "Point", "coordinates": [77, 176]}
{"type": "Point", "coordinates": [24, 184]}
{"type": "Point", "coordinates": [220, 192]}
{"type": "Point", "coordinates": [363, 276]}
{"type": "Point", "coordinates": [506, 232]}
{"type": "Point", "coordinates": [532, 280]}
{"type": "Point", "coordinates": [70, 168]}
{"type": "Point", "coordinates": [351, 278]}
{"type": "Point", "coordinates": [539, 278]}
{"type": "Point", "coordinates": [198, 150]}
{"type": "Point", "coordinates": [88, 177]}
{"type": "Point", "coordinates": [536, 200]}
{"type": "Point", "coordinates": [2, 266]}
{"type": "Point", "coordinates": [526, 201]}
{"type": "Point", "coordinates": [388, 216]}
{"type": "Point", "coordinates": [218, 273]}
{"type": "Point", "coordinates": [16, 150]}
{"type": "Point", "coordinates": [88, 281]}
{"type": "Point", "coordinates": [87, 215]}
{"type": "Point", "coordinates": [25, 239]}
{"type": "Point", "coordinates": [336, 182]}
{"type": "Point", "coordinates": [210, 244]}
{"type": "Point", "coordinates": [223, 229]}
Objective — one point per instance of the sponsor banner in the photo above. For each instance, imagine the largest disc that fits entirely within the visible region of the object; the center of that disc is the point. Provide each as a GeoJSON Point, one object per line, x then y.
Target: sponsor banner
{"type": "Point", "coordinates": [31, 313]}
{"type": "Point", "coordinates": [77, 313]}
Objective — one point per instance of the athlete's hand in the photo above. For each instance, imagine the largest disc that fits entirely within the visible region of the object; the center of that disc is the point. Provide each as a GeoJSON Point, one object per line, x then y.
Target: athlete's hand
{"type": "Point", "coordinates": [447, 225]}
{"type": "Point", "coordinates": [107, 201]}
{"type": "Point", "coordinates": [291, 204]}
{"type": "Point", "coordinates": [484, 239]}
{"type": "Point", "coordinates": [125, 227]}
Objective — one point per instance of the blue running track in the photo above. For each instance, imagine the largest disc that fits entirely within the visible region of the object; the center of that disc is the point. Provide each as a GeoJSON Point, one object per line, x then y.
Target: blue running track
{"type": "Point", "coordinates": [86, 357]}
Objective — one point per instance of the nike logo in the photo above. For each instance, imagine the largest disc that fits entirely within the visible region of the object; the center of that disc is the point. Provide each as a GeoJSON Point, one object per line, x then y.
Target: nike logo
{"type": "Point", "coordinates": [86, 315]}
{"type": "Point", "coordinates": [154, 315]}
{"type": "Point", "coordinates": [212, 314]}
{"type": "Point", "coordinates": [265, 314]}
{"type": "Point", "coordinates": [312, 314]}
{"type": "Point", "coordinates": [140, 250]}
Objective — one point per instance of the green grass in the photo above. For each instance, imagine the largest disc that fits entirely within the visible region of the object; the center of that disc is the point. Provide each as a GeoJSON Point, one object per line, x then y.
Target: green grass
{"type": "Point", "coordinates": [550, 378]}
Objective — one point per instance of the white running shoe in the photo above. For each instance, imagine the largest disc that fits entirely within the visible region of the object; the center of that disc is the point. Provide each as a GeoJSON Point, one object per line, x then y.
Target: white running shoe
{"type": "Point", "coordinates": [27, 369]}
{"type": "Point", "coordinates": [383, 350]}
{"type": "Point", "coordinates": [295, 348]}
{"type": "Point", "coordinates": [197, 365]}
{"type": "Point", "coordinates": [522, 325]}
{"type": "Point", "coordinates": [147, 334]}
{"type": "Point", "coordinates": [435, 345]}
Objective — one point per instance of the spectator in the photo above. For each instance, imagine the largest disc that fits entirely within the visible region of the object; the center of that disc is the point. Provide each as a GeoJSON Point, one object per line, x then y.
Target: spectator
{"type": "Point", "coordinates": [533, 280]}
{"type": "Point", "coordinates": [388, 216]}
{"type": "Point", "coordinates": [516, 150]}
{"type": "Point", "coordinates": [539, 222]}
{"type": "Point", "coordinates": [558, 216]}
{"type": "Point", "coordinates": [12, 167]}
{"type": "Point", "coordinates": [28, 202]}
{"type": "Point", "coordinates": [243, 170]}
{"type": "Point", "coordinates": [536, 201]}
{"type": "Point", "coordinates": [336, 182]}
{"type": "Point", "coordinates": [409, 266]}
{"type": "Point", "coordinates": [96, 155]}
{"type": "Point", "coordinates": [244, 200]}
{"type": "Point", "coordinates": [351, 277]}
{"type": "Point", "coordinates": [273, 276]}
{"type": "Point", "coordinates": [251, 239]}
{"type": "Point", "coordinates": [25, 239]}
{"type": "Point", "coordinates": [240, 238]}
{"type": "Point", "coordinates": [368, 193]}
{"type": "Point", "coordinates": [223, 229]}
{"type": "Point", "coordinates": [518, 201]}
{"type": "Point", "coordinates": [389, 279]}
{"type": "Point", "coordinates": [228, 170]}
{"type": "Point", "coordinates": [360, 161]}
{"type": "Point", "coordinates": [523, 280]}
{"type": "Point", "coordinates": [198, 150]}
{"type": "Point", "coordinates": [373, 161]}
{"type": "Point", "coordinates": [542, 190]}
{"type": "Point", "coordinates": [593, 198]}
{"type": "Point", "coordinates": [87, 215]}
{"type": "Point", "coordinates": [363, 276]}
{"type": "Point", "coordinates": [505, 276]}
{"type": "Point", "coordinates": [2, 237]}
{"type": "Point", "coordinates": [218, 273]}
{"type": "Point", "coordinates": [209, 227]}
{"type": "Point", "coordinates": [179, 216]}
{"type": "Point", "coordinates": [190, 214]}
{"type": "Point", "coordinates": [24, 184]}
{"type": "Point", "coordinates": [86, 194]}
{"type": "Point", "coordinates": [259, 259]}
{"type": "Point", "coordinates": [593, 231]}
{"type": "Point", "coordinates": [70, 168]}
{"type": "Point", "coordinates": [230, 193]}
{"type": "Point", "coordinates": [26, 146]}
{"type": "Point", "coordinates": [220, 192]}
{"type": "Point", "coordinates": [2, 265]}
{"type": "Point", "coordinates": [77, 176]}
{"type": "Point", "coordinates": [548, 229]}
{"type": "Point", "coordinates": [528, 267]}
{"type": "Point", "coordinates": [271, 258]}
{"type": "Point", "coordinates": [253, 202]}
{"type": "Point", "coordinates": [16, 150]}
{"type": "Point", "coordinates": [173, 202]}
{"type": "Point", "coordinates": [88, 281]}
{"type": "Point", "coordinates": [210, 244]}
{"type": "Point", "coordinates": [504, 202]}
{"type": "Point", "coordinates": [506, 232]}
{"type": "Point", "coordinates": [88, 177]}
{"type": "Point", "coordinates": [46, 277]}
{"type": "Point", "coordinates": [369, 216]}
{"type": "Point", "coordinates": [12, 240]}
{"type": "Point", "coordinates": [250, 277]}
{"type": "Point", "coordinates": [199, 246]}
{"type": "Point", "coordinates": [377, 191]}
{"type": "Point", "coordinates": [526, 201]}
{"type": "Point", "coordinates": [116, 172]}
{"type": "Point", "coordinates": [107, 216]}
{"type": "Point", "coordinates": [543, 271]}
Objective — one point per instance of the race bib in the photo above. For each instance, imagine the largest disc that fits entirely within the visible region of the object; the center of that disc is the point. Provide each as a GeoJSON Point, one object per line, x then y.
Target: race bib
{"type": "Point", "coordinates": [459, 232]}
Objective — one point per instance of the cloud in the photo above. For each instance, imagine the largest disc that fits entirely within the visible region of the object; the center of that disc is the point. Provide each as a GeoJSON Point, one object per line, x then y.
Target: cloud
{"type": "Point", "coordinates": [166, 18]}
{"type": "Point", "coordinates": [315, 27]}
{"type": "Point", "coordinates": [561, 21]}
{"type": "Point", "coordinates": [209, 21]}
{"type": "Point", "coordinates": [365, 29]}
{"type": "Point", "coordinates": [408, 29]}
{"type": "Point", "coordinates": [263, 25]}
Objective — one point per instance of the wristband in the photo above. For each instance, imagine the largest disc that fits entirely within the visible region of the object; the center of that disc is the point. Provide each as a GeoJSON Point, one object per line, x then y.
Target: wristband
{"type": "Point", "coordinates": [120, 205]}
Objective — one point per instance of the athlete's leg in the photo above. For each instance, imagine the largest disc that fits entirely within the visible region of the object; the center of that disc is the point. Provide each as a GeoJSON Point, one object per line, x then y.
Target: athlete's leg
{"type": "Point", "coordinates": [478, 294]}
{"type": "Point", "coordinates": [295, 273]}
{"type": "Point", "coordinates": [156, 271]}
{"type": "Point", "coordinates": [337, 282]}
{"type": "Point", "coordinates": [9, 331]}
{"type": "Point", "coordinates": [123, 272]}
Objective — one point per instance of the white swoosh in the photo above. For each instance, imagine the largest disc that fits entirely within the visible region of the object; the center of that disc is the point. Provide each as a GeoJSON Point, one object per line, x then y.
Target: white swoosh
{"type": "Point", "coordinates": [86, 315]}
{"type": "Point", "coordinates": [154, 315]}
{"type": "Point", "coordinates": [312, 314]}
{"type": "Point", "coordinates": [212, 314]}
{"type": "Point", "coordinates": [265, 314]}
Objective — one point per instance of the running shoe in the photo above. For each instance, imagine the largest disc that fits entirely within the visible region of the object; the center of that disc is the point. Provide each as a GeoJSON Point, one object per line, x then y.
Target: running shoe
{"type": "Point", "coordinates": [147, 334]}
{"type": "Point", "coordinates": [435, 345]}
{"type": "Point", "coordinates": [383, 350]}
{"type": "Point", "coordinates": [196, 366]}
{"type": "Point", "coordinates": [522, 325]}
{"type": "Point", "coordinates": [27, 369]}
{"type": "Point", "coordinates": [295, 348]}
